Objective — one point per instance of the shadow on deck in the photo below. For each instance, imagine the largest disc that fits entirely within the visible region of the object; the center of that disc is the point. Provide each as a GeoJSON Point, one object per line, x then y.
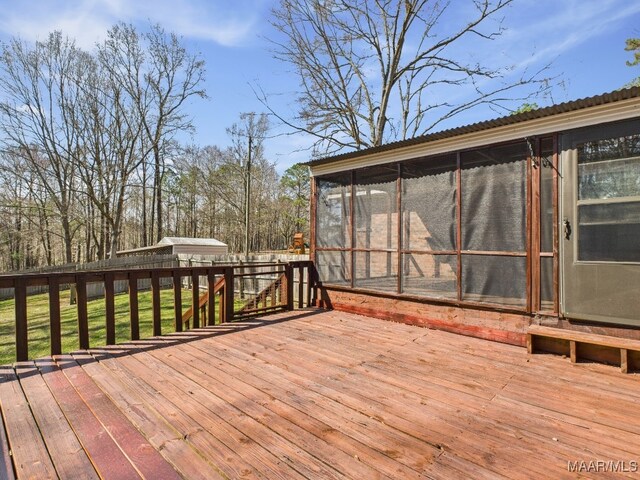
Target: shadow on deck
{"type": "Point", "coordinates": [315, 394]}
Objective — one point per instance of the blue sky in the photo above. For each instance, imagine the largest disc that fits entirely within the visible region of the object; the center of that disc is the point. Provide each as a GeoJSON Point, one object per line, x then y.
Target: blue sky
{"type": "Point", "coordinates": [584, 40]}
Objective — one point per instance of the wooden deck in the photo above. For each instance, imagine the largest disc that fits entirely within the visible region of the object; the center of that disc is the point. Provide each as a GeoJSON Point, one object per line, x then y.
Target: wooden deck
{"type": "Point", "coordinates": [314, 394]}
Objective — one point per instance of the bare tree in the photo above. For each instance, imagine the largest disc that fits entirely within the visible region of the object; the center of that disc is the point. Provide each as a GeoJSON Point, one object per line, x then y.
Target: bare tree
{"type": "Point", "coordinates": [161, 77]}
{"type": "Point", "coordinates": [247, 139]}
{"type": "Point", "coordinates": [35, 122]}
{"type": "Point", "coordinates": [372, 71]}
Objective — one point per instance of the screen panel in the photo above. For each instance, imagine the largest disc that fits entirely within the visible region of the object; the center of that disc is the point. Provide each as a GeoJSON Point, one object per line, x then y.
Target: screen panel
{"type": "Point", "coordinates": [333, 266]}
{"type": "Point", "coordinates": [429, 198]}
{"type": "Point", "coordinates": [333, 211]}
{"type": "Point", "coordinates": [493, 187]}
{"type": "Point", "coordinates": [376, 271]}
{"type": "Point", "coordinates": [432, 276]}
{"type": "Point", "coordinates": [376, 211]}
{"type": "Point", "coordinates": [495, 279]}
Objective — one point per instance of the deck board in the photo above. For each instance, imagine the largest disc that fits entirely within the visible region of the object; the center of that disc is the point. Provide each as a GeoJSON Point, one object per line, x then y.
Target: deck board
{"type": "Point", "coordinates": [314, 394]}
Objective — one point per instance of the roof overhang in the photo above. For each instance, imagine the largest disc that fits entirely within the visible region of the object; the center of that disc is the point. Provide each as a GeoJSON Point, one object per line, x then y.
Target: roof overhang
{"type": "Point", "coordinates": [610, 107]}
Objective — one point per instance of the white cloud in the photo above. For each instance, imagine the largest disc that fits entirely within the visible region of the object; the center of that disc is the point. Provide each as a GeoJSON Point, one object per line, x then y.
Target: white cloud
{"type": "Point", "coordinates": [87, 21]}
{"type": "Point", "coordinates": [572, 24]}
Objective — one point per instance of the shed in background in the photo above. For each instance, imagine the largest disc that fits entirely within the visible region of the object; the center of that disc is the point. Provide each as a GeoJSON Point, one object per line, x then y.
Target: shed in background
{"type": "Point", "coordinates": [180, 245]}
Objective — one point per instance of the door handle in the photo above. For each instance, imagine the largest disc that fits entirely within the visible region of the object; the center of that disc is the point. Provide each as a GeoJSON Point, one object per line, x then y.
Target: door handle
{"type": "Point", "coordinates": [567, 229]}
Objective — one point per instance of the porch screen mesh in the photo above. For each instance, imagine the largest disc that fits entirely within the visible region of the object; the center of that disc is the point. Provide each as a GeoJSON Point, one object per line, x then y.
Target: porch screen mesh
{"type": "Point", "coordinates": [333, 210]}
{"type": "Point", "coordinates": [546, 283]}
{"type": "Point", "coordinates": [333, 266]}
{"type": "Point", "coordinates": [494, 279]}
{"type": "Point", "coordinates": [376, 271]}
{"type": "Point", "coordinates": [376, 212]}
{"type": "Point", "coordinates": [546, 196]}
{"type": "Point", "coordinates": [494, 198]}
{"type": "Point", "coordinates": [429, 204]}
{"type": "Point", "coordinates": [428, 275]}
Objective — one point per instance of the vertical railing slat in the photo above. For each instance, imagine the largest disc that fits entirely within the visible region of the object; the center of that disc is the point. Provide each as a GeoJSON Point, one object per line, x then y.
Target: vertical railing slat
{"type": "Point", "coordinates": [55, 333]}
{"type": "Point", "coordinates": [22, 342]}
{"type": "Point", "coordinates": [155, 303]}
{"type": "Point", "coordinates": [221, 307]}
{"type": "Point", "coordinates": [83, 321]}
{"type": "Point", "coordinates": [309, 283]}
{"type": "Point", "coordinates": [211, 280]}
{"type": "Point", "coordinates": [300, 286]}
{"type": "Point", "coordinates": [195, 299]}
{"type": "Point", "coordinates": [177, 301]}
{"type": "Point", "coordinates": [134, 317]}
{"type": "Point", "coordinates": [110, 309]}
{"type": "Point", "coordinates": [228, 294]}
{"type": "Point", "coordinates": [289, 277]}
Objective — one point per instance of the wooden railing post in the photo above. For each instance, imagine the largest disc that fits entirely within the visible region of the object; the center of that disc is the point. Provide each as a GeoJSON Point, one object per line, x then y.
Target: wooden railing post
{"type": "Point", "coordinates": [228, 294]}
{"type": "Point", "coordinates": [83, 321]}
{"type": "Point", "coordinates": [195, 298]}
{"type": "Point", "coordinates": [309, 283]}
{"type": "Point", "coordinates": [300, 286]}
{"type": "Point", "coordinates": [155, 303]}
{"type": "Point", "coordinates": [54, 316]}
{"type": "Point", "coordinates": [110, 308]}
{"type": "Point", "coordinates": [211, 280]}
{"type": "Point", "coordinates": [289, 276]}
{"type": "Point", "coordinates": [134, 318]}
{"type": "Point", "coordinates": [177, 301]}
{"type": "Point", "coordinates": [313, 284]}
{"type": "Point", "coordinates": [22, 342]}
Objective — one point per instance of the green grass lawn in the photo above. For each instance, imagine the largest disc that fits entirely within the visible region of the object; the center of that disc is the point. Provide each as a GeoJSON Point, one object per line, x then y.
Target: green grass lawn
{"type": "Point", "coordinates": [38, 321]}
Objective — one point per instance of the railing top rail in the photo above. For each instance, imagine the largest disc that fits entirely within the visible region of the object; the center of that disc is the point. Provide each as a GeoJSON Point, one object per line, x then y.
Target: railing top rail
{"type": "Point", "coordinates": [33, 279]}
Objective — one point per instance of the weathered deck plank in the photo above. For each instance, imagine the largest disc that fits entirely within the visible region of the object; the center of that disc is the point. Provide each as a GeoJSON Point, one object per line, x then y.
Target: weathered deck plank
{"type": "Point", "coordinates": [104, 453]}
{"type": "Point", "coordinates": [315, 395]}
{"type": "Point", "coordinates": [28, 450]}
{"type": "Point", "coordinates": [66, 452]}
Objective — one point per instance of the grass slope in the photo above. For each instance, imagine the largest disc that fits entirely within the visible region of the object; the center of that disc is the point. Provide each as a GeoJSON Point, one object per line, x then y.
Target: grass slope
{"type": "Point", "coordinates": [38, 321]}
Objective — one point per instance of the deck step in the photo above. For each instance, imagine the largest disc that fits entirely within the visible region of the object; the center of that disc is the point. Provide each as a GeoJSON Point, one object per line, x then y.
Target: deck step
{"type": "Point", "coordinates": [628, 348]}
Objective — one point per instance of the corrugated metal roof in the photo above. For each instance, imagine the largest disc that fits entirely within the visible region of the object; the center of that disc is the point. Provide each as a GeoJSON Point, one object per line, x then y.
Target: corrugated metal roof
{"type": "Point", "coordinates": [611, 97]}
{"type": "Point", "coordinates": [209, 242]}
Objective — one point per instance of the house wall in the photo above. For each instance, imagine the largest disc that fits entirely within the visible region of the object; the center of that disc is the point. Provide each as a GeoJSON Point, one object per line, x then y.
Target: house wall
{"type": "Point", "coordinates": [490, 324]}
{"type": "Point", "coordinates": [501, 271]}
{"type": "Point", "coordinates": [487, 323]}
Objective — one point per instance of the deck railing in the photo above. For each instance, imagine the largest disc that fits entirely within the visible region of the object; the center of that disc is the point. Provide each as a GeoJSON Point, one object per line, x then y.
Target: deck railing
{"type": "Point", "coordinates": [288, 286]}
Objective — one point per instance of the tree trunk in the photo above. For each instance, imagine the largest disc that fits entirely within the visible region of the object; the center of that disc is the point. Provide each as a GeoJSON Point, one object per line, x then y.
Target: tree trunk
{"type": "Point", "coordinates": [144, 206]}
{"type": "Point", "coordinates": [158, 182]}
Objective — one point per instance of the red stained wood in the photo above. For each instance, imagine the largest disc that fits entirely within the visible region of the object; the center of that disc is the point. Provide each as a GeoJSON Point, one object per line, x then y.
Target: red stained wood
{"type": "Point", "coordinates": [134, 318]}
{"type": "Point", "coordinates": [104, 453]}
{"type": "Point", "coordinates": [6, 467]}
{"type": "Point", "coordinates": [54, 317]}
{"type": "Point", "coordinates": [110, 311]}
{"type": "Point", "coordinates": [228, 296]}
{"type": "Point", "coordinates": [211, 291]}
{"type": "Point", "coordinates": [177, 302]}
{"type": "Point", "coordinates": [556, 218]}
{"type": "Point", "coordinates": [65, 450]}
{"type": "Point", "coordinates": [155, 303]}
{"type": "Point", "coordinates": [140, 453]}
{"type": "Point", "coordinates": [195, 300]}
{"type": "Point", "coordinates": [534, 166]}
{"type": "Point", "coordinates": [83, 322]}
{"type": "Point", "coordinates": [486, 333]}
{"type": "Point", "coordinates": [311, 394]}
{"type": "Point", "coordinates": [29, 453]}
{"type": "Point", "coordinates": [22, 343]}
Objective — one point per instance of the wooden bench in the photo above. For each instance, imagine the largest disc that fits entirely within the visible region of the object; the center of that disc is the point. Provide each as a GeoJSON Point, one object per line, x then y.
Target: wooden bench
{"type": "Point", "coordinates": [624, 345]}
